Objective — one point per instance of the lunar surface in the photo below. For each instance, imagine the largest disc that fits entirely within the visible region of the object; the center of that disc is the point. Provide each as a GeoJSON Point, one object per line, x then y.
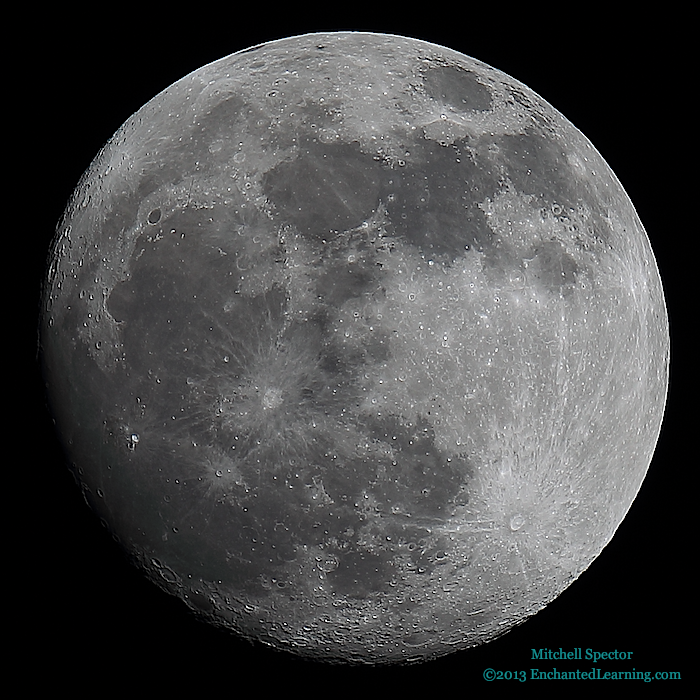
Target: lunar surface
{"type": "Point", "coordinates": [356, 345]}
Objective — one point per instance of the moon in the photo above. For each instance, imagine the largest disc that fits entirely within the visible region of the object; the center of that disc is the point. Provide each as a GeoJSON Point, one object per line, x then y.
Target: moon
{"type": "Point", "coordinates": [356, 345]}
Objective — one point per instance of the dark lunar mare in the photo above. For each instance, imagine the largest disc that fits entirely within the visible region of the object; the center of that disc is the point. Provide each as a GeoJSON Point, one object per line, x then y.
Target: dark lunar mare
{"type": "Point", "coordinates": [174, 328]}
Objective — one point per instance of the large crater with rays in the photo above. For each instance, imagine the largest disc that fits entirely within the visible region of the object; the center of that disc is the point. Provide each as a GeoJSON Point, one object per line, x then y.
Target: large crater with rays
{"type": "Point", "coordinates": [357, 345]}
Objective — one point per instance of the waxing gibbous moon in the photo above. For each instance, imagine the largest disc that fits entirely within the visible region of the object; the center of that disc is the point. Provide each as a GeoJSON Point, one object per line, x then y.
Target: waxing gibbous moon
{"type": "Point", "coordinates": [357, 346]}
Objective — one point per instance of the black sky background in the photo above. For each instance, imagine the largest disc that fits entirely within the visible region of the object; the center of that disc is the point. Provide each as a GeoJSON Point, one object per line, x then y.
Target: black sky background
{"type": "Point", "coordinates": [83, 612]}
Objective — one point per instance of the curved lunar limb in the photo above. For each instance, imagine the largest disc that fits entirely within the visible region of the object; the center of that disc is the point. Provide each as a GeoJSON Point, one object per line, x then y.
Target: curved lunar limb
{"type": "Point", "coordinates": [358, 346]}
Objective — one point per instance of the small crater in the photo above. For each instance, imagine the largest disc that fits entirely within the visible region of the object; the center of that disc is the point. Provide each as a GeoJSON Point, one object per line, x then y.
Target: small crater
{"type": "Point", "coordinates": [133, 440]}
{"type": "Point", "coordinates": [272, 398]}
{"type": "Point", "coordinates": [154, 216]}
{"type": "Point", "coordinates": [516, 522]}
